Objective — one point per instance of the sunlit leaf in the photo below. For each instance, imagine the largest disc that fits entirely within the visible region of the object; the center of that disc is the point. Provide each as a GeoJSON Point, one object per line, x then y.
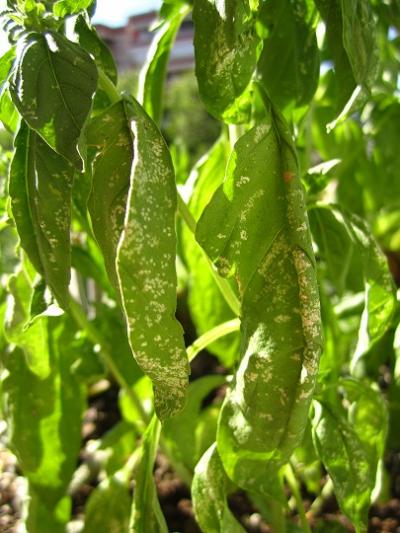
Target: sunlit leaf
{"type": "Point", "coordinates": [255, 228]}
{"type": "Point", "coordinates": [40, 190]}
{"type": "Point", "coordinates": [226, 48]}
{"type": "Point", "coordinates": [209, 494]}
{"type": "Point", "coordinates": [52, 87]}
{"type": "Point", "coordinates": [146, 266]}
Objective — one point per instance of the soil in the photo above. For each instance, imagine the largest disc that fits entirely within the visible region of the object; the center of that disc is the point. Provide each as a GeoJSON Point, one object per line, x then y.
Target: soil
{"type": "Point", "coordinates": [174, 495]}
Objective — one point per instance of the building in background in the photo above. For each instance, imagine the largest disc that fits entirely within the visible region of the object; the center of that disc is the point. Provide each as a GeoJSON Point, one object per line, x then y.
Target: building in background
{"type": "Point", "coordinates": [130, 43]}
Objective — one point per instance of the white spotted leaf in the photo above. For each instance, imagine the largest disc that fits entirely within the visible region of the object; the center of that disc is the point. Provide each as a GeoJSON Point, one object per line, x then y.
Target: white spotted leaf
{"type": "Point", "coordinates": [256, 229]}
{"type": "Point", "coordinates": [207, 306]}
{"type": "Point", "coordinates": [52, 87]}
{"type": "Point", "coordinates": [226, 49]}
{"type": "Point", "coordinates": [40, 191]}
{"type": "Point", "coordinates": [146, 266]}
{"type": "Point", "coordinates": [109, 134]}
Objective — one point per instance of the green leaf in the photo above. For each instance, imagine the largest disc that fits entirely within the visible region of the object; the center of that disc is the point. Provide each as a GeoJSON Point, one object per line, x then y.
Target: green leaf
{"type": "Point", "coordinates": [207, 306]}
{"type": "Point", "coordinates": [292, 74]}
{"type": "Point", "coordinates": [347, 462]}
{"type": "Point", "coordinates": [91, 42]}
{"type": "Point", "coordinates": [226, 50]}
{"type": "Point", "coordinates": [380, 297]}
{"type": "Point", "coordinates": [63, 8]}
{"type": "Point", "coordinates": [109, 322]}
{"type": "Point", "coordinates": [335, 245]}
{"type": "Point", "coordinates": [53, 86]}
{"type": "Point", "coordinates": [110, 135]}
{"type": "Point", "coordinates": [359, 40]}
{"type": "Point", "coordinates": [34, 339]}
{"type": "Point", "coordinates": [368, 415]}
{"type": "Point", "coordinates": [146, 266]}
{"type": "Point", "coordinates": [6, 62]}
{"type": "Point", "coordinates": [209, 495]}
{"type": "Point", "coordinates": [43, 411]}
{"type": "Point", "coordinates": [90, 265]}
{"type": "Point", "coordinates": [40, 190]}
{"type": "Point", "coordinates": [8, 112]}
{"type": "Point", "coordinates": [255, 228]}
{"type": "Point", "coordinates": [146, 512]}
{"type": "Point", "coordinates": [179, 431]}
{"type": "Point", "coordinates": [108, 507]}
{"type": "Point", "coordinates": [331, 12]}
{"type": "Point", "coordinates": [152, 76]}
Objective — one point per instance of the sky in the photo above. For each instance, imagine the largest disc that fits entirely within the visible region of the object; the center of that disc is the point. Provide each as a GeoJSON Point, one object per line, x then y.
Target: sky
{"type": "Point", "coordinates": [109, 12]}
{"type": "Point", "coordinates": [116, 12]}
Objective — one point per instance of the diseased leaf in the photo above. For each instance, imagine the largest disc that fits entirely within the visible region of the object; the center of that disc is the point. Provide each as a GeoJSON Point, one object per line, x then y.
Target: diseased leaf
{"type": "Point", "coordinates": [347, 462]}
{"type": "Point", "coordinates": [146, 511]}
{"type": "Point", "coordinates": [209, 495]}
{"type": "Point", "coordinates": [226, 47]}
{"type": "Point", "coordinates": [207, 306]}
{"type": "Point", "coordinates": [52, 86]}
{"type": "Point", "coordinates": [255, 228]}
{"type": "Point", "coordinates": [40, 191]}
{"type": "Point", "coordinates": [110, 135]}
{"type": "Point", "coordinates": [179, 431]}
{"type": "Point", "coordinates": [146, 266]}
{"type": "Point", "coordinates": [290, 76]}
{"type": "Point", "coordinates": [152, 76]}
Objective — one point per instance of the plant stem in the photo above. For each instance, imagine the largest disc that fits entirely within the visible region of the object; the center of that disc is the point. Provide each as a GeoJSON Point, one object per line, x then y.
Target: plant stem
{"type": "Point", "coordinates": [294, 487]}
{"type": "Point", "coordinates": [325, 493]}
{"type": "Point", "coordinates": [212, 335]}
{"type": "Point", "coordinates": [108, 87]}
{"type": "Point", "coordinates": [95, 337]}
{"type": "Point", "coordinates": [234, 134]}
{"type": "Point", "coordinates": [223, 284]}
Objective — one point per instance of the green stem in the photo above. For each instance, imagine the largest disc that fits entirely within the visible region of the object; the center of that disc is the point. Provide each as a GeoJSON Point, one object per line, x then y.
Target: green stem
{"type": "Point", "coordinates": [325, 493]}
{"type": "Point", "coordinates": [234, 134]}
{"type": "Point", "coordinates": [108, 87]}
{"type": "Point", "coordinates": [295, 489]}
{"type": "Point", "coordinates": [95, 337]}
{"type": "Point", "coordinates": [223, 284]}
{"type": "Point", "coordinates": [277, 519]}
{"type": "Point", "coordinates": [212, 335]}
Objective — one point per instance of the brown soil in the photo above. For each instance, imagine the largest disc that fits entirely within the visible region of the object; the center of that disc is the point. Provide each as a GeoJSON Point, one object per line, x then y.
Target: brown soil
{"type": "Point", "coordinates": [174, 496]}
